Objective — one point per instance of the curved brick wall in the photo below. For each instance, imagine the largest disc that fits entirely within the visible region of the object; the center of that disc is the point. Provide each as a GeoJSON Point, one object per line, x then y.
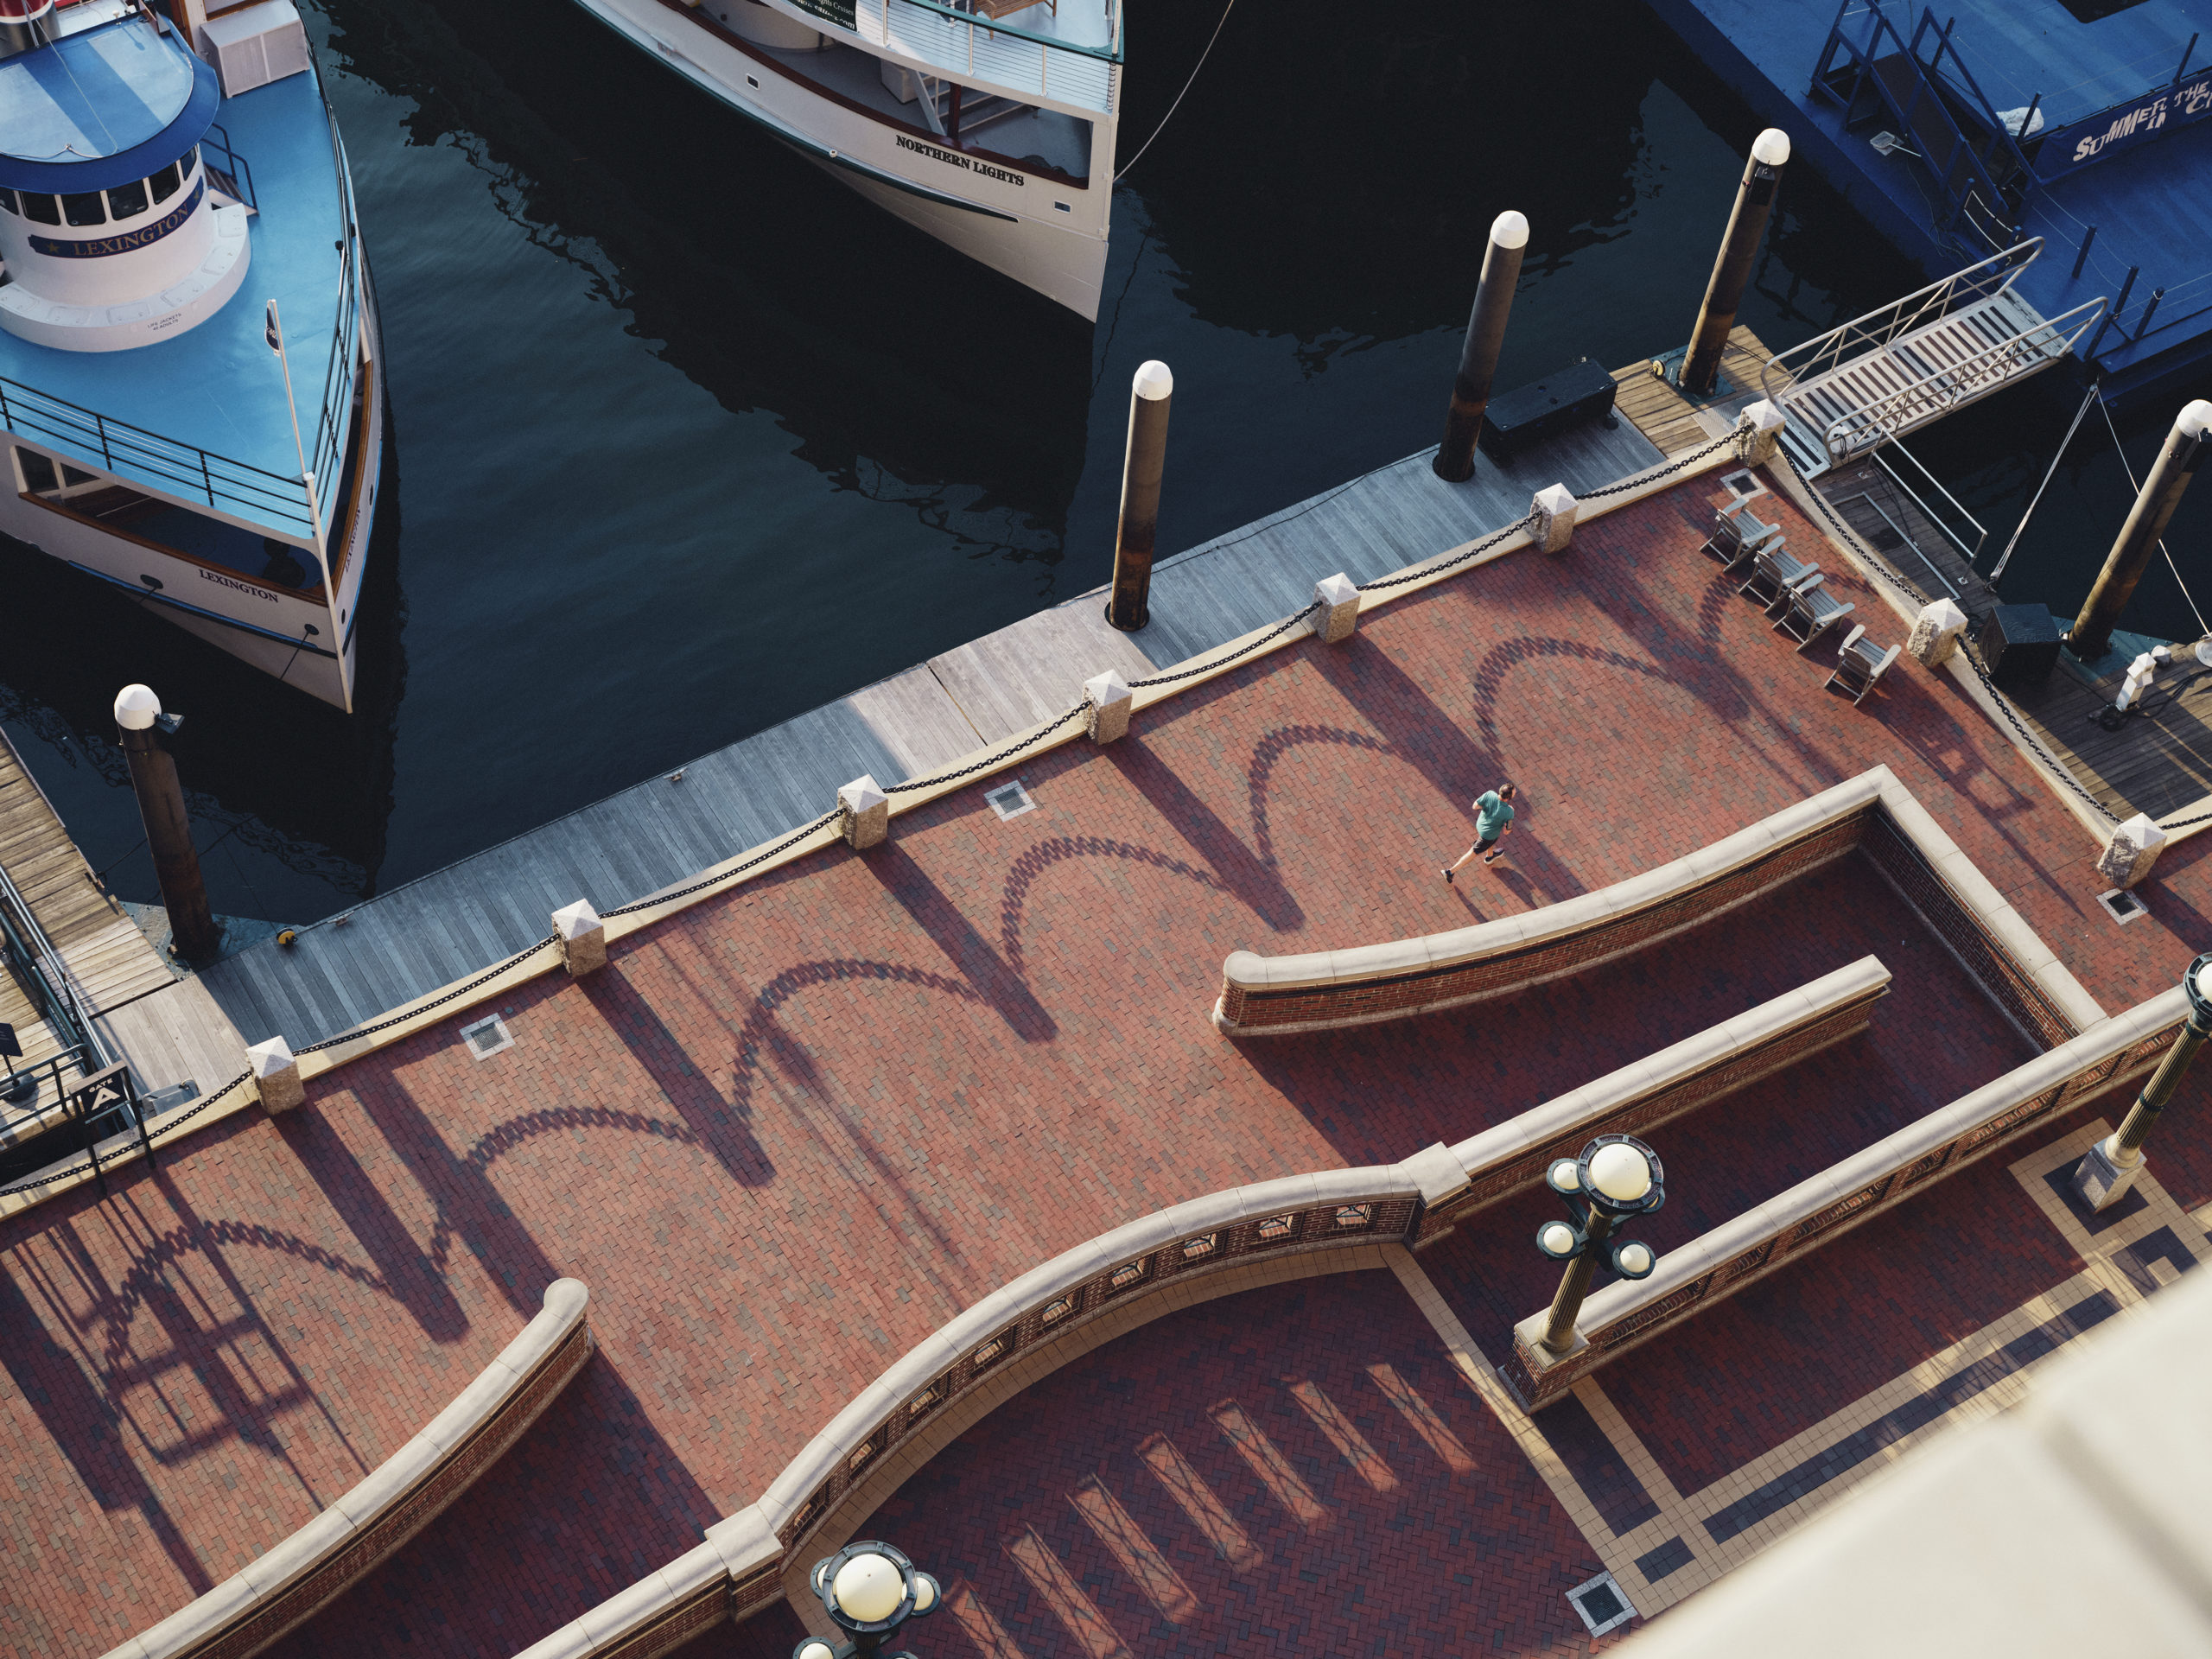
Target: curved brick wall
{"type": "Point", "coordinates": [399, 1498]}
{"type": "Point", "coordinates": [1323, 990]}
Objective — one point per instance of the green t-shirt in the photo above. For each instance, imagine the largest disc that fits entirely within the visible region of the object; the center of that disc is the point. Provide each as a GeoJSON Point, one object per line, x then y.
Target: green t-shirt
{"type": "Point", "coordinates": [1492, 815]}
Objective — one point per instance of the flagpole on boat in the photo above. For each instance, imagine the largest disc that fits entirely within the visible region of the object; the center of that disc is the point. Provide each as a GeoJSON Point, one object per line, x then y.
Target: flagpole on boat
{"type": "Point", "coordinates": [275, 333]}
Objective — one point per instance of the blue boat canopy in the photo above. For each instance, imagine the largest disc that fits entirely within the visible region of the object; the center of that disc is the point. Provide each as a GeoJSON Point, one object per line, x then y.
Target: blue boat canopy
{"type": "Point", "coordinates": [102, 108]}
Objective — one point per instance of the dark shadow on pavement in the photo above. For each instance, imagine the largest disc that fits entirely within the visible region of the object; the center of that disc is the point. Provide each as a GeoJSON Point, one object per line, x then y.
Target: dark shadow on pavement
{"type": "Point", "coordinates": [716, 1123]}
{"type": "Point", "coordinates": [1247, 876]}
{"type": "Point", "coordinates": [590, 1500]}
{"type": "Point", "coordinates": [79, 1419]}
{"type": "Point", "coordinates": [996, 982]}
{"type": "Point", "coordinates": [468, 1203]}
{"type": "Point", "coordinates": [409, 1275]}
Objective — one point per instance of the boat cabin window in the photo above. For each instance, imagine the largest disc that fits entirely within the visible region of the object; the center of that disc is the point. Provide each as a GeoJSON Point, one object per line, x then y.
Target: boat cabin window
{"type": "Point", "coordinates": [8, 200]}
{"type": "Point", "coordinates": [127, 201]}
{"type": "Point", "coordinates": [164, 183]}
{"type": "Point", "coordinates": [39, 205]}
{"type": "Point", "coordinates": [38, 472]}
{"type": "Point", "coordinates": [84, 208]}
{"type": "Point", "coordinates": [204, 540]}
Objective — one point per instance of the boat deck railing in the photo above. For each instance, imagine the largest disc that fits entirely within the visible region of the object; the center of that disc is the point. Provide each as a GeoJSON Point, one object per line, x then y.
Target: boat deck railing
{"type": "Point", "coordinates": [240, 488]}
{"type": "Point", "coordinates": [235, 169]}
{"type": "Point", "coordinates": [136, 456]}
{"type": "Point", "coordinates": [963, 43]}
{"type": "Point", "coordinates": [331, 423]}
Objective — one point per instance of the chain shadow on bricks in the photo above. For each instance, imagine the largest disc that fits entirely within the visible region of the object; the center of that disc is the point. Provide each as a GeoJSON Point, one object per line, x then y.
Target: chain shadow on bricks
{"type": "Point", "coordinates": [1247, 876]}
{"type": "Point", "coordinates": [406, 1272]}
{"type": "Point", "coordinates": [467, 1204]}
{"type": "Point", "coordinates": [249, 1413]}
{"type": "Point", "coordinates": [589, 1501]}
{"type": "Point", "coordinates": [719, 1126]}
{"type": "Point", "coordinates": [990, 980]}
{"type": "Point", "coordinates": [1037, 860]}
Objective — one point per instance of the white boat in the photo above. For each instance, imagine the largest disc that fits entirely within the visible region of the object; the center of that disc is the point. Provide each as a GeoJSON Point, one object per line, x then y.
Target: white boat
{"type": "Point", "coordinates": [174, 201]}
{"type": "Point", "coordinates": [989, 123]}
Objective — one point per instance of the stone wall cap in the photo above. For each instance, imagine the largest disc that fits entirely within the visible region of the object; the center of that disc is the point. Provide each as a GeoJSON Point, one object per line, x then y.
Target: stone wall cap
{"type": "Point", "coordinates": [272, 1055]}
{"type": "Point", "coordinates": [1435, 1173]}
{"type": "Point", "coordinates": [291, 1556]}
{"type": "Point", "coordinates": [573, 921]}
{"type": "Point", "coordinates": [657, 1593]}
{"type": "Point", "coordinates": [862, 794]}
{"type": "Point", "coordinates": [744, 1541]}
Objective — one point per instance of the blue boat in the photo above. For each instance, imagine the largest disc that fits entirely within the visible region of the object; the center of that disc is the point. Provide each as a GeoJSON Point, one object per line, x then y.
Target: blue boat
{"type": "Point", "coordinates": [2086, 125]}
{"type": "Point", "coordinates": [189, 367]}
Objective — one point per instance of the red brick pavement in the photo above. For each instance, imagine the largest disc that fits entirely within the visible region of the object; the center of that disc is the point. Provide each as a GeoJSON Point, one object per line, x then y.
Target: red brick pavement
{"type": "Point", "coordinates": [790, 1132]}
{"type": "Point", "coordinates": [1372, 1530]}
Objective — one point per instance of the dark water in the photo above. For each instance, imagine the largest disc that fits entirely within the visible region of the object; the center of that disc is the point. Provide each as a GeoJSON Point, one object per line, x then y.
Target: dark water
{"type": "Point", "coordinates": [689, 439]}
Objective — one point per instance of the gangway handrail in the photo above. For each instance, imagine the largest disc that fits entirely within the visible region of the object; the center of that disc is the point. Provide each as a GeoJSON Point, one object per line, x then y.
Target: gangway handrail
{"type": "Point", "coordinates": [1958, 144]}
{"type": "Point", "coordinates": [1915, 310]}
{"type": "Point", "coordinates": [1958, 385]}
{"type": "Point", "coordinates": [28, 940]}
{"type": "Point", "coordinates": [1981, 530]}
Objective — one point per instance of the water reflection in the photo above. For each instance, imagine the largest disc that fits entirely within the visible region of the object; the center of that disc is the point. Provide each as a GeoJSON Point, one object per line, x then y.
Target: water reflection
{"type": "Point", "coordinates": [905, 373]}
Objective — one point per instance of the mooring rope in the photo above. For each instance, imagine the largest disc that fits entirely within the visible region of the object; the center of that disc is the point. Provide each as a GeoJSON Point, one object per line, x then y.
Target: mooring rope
{"type": "Point", "coordinates": [1177, 103]}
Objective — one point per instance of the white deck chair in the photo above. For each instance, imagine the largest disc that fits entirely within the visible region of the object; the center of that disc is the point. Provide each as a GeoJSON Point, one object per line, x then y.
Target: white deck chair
{"type": "Point", "coordinates": [1860, 664]}
{"type": "Point", "coordinates": [1810, 612]}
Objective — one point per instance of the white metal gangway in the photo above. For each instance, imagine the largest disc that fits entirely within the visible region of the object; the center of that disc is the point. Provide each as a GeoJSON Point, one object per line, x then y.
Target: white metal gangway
{"type": "Point", "coordinates": [1892, 371]}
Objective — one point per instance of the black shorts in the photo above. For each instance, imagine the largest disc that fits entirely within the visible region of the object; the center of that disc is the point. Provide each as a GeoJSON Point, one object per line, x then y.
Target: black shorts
{"type": "Point", "coordinates": [1484, 846]}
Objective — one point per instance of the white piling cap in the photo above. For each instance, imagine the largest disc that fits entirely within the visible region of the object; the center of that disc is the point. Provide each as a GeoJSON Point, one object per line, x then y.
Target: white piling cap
{"type": "Point", "coordinates": [1153, 381]}
{"type": "Point", "coordinates": [2195, 419]}
{"type": "Point", "coordinates": [1509, 229]}
{"type": "Point", "coordinates": [1770, 147]}
{"type": "Point", "coordinates": [137, 708]}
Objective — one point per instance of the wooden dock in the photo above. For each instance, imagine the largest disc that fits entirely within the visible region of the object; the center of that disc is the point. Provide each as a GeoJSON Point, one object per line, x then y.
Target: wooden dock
{"type": "Point", "coordinates": [167, 1026]}
{"type": "Point", "coordinates": [458, 920]}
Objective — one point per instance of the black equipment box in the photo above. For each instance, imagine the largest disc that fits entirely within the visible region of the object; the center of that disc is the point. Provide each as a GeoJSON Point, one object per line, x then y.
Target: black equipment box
{"type": "Point", "coordinates": [2019, 644]}
{"type": "Point", "coordinates": [1572, 396]}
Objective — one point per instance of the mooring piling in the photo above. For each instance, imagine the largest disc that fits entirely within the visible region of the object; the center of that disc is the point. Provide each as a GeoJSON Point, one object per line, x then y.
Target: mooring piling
{"type": "Point", "coordinates": [1508, 239]}
{"type": "Point", "coordinates": [1723, 292]}
{"type": "Point", "coordinates": [1150, 394]}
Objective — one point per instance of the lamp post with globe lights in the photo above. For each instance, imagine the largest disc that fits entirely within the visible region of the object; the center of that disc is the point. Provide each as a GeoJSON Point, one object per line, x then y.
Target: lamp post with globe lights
{"type": "Point", "coordinates": [869, 1589]}
{"type": "Point", "coordinates": [2110, 1167]}
{"type": "Point", "coordinates": [1616, 1178]}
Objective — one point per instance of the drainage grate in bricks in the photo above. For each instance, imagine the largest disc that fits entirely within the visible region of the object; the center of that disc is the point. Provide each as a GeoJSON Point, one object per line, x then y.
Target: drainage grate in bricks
{"type": "Point", "coordinates": [487, 1037]}
{"type": "Point", "coordinates": [2122, 906]}
{"type": "Point", "coordinates": [1741, 482]}
{"type": "Point", "coordinates": [1010, 800]}
{"type": "Point", "coordinates": [1601, 1604]}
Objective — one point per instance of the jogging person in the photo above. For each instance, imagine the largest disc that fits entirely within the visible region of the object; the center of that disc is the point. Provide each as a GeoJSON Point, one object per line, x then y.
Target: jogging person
{"type": "Point", "coordinates": [1493, 818]}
